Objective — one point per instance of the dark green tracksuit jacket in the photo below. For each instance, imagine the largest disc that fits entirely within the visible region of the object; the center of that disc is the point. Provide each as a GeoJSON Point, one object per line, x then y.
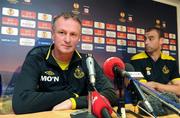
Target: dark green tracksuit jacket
{"type": "Point", "coordinates": [42, 84]}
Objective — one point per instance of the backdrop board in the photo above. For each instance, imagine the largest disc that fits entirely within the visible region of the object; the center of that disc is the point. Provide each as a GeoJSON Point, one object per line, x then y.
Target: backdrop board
{"type": "Point", "coordinates": [109, 28]}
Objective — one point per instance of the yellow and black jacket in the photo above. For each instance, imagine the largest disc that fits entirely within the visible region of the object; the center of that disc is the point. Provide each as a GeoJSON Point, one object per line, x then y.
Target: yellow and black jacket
{"type": "Point", "coordinates": [164, 70]}
{"type": "Point", "coordinates": [42, 84]}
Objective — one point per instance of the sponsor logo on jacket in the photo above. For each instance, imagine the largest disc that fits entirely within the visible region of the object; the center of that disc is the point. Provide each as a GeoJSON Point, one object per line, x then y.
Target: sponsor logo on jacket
{"type": "Point", "coordinates": [49, 77]}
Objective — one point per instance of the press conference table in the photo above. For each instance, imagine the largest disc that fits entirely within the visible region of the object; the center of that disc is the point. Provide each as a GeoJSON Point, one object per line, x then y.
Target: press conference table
{"type": "Point", "coordinates": [66, 114]}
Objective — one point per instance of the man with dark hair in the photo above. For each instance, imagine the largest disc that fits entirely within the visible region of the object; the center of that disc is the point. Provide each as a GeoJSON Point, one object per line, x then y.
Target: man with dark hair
{"type": "Point", "coordinates": [160, 71]}
{"type": "Point", "coordinates": [56, 77]}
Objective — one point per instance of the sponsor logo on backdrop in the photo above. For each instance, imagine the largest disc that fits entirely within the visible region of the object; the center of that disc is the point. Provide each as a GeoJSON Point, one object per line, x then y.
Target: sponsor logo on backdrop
{"type": "Point", "coordinates": [13, 1]}
{"type": "Point", "coordinates": [26, 42]}
{"type": "Point", "coordinates": [121, 35]}
{"type": "Point", "coordinates": [131, 50]}
{"type": "Point", "coordinates": [172, 41]}
{"type": "Point", "coordinates": [165, 47]}
{"type": "Point", "coordinates": [165, 41]}
{"type": "Point", "coordinates": [121, 42]}
{"type": "Point", "coordinates": [99, 25]}
{"type": "Point", "coordinates": [173, 53]}
{"type": "Point", "coordinates": [9, 30]}
{"type": "Point", "coordinates": [140, 31]}
{"type": "Point", "coordinates": [164, 24]}
{"type": "Point", "coordinates": [99, 47]}
{"type": "Point", "coordinates": [75, 8]}
{"type": "Point", "coordinates": [9, 40]}
{"type": "Point", "coordinates": [166, 35]}
{"type": "Point", "coordinates": [27, 32]}
{"type": "Point", "coordinates": [122, 16]}
{"type": "Point", "coordinates": [86, 9]}
{"type": "Point", "coordinates": [27, 1]}
{"type": "Point", "coordinates": [44, 17]}
{"type": "Point", "coordinates": [119, 49]}
{"type": "Point", "coordinates": [158, 23]}
{"type": "Point", "coordinates": [88, 31]}
{"type": "Point", "coordinates": [110, 41]}
{"type": "Point", "coordinates": [172, 36]}
{"type": "Point", "coordinates": [165, 52]}
{"type": "Point", "coordinates": [87, 23]}
{"type": "Point", "coordinates": [78, 45]}
{"type": "Point", "coordinates": [10, 12]}
{"type": "Point", "coordinates": [140, 44]}
{"type": "Point", "coordinates": [121, 28]}
{"type": "Point", "coordinates": [130, 18]}
{"type": "Point", "coordinates": [111, 34]}
{"type": "Point", "coordinates": [172, 47]}
{"type": "Point", "coordinates": [43, 34]}
{"type": "Point", "coordinates": [131, 29]}
{"type": "Point", "coordinates": [140, 37]}
{"type": "Point", "coordinates": [86, 46]}
{"type": "Point", "coordinates": [131, 36]}
{"type": "Point", "coordinates": [87, 39]}
{"type": "Point", "coordinates": [28, 23]}
{"type": "Point", "coordinates": [44, 25]}
{"type": "Point", "coordinates": [131, 43]}
{"type": "Point", "coordinates": [10, 21]}
{"type": "Point", "coordinates": [110, 26]}
{"type": "Point", "coordinates": [110, 48]}
{"type": "Point", "coordinates": [99, 32]}
{"type": "Point", "coordinates": [99, 40]}
{"type": "Point", "coordinates": [140, 50]}
{"type": "Point", "coordinates": [28, 14]}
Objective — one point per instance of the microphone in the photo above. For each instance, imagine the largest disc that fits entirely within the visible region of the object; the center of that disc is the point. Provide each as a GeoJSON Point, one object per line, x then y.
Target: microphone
{"type": "Point", "coordinates": [116, 63]}
{"type": "Point", "coordinates": [101, 107]}
{"type": "Point", "coordinates": [113, 68]}
{"type": "Point", "coordinates": [132, 73]}
{"type": "Point", "coordinates": [90, 66]}
{"type": "Point", "coordinates": [113, 64]}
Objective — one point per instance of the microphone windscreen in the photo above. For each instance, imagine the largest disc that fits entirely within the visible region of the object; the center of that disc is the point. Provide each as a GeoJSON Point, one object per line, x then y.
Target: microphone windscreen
{"type": "Point", "coordinates": [98, 103]}
{"type": "Point", "coordinates": [110, 63]}
{"type": "Point", "coordinates": [129, 67]}
{"type": "Point", "coordinates": [159, 108]}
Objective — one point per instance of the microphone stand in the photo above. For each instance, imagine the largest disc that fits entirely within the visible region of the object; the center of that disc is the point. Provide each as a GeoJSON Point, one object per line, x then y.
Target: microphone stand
{"type": "Point", "coordinates": [90, 114]}
{"type": "Point", "coordinates": [85, 113]}
{"type": "Point", "coordinates": [119, 81]}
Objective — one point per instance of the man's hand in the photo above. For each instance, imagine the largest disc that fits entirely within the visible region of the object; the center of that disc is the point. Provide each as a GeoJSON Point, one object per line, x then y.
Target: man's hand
{"type": "Point", "coordinates": [65, 105]}
{"type": "Point", "coordinates": [151, 84]}
{"type": "Point", "coordinates": [154, 85]}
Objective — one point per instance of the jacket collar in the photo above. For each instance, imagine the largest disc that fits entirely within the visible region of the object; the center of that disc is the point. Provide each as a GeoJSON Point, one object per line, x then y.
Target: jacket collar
{"type": "Point", "coordinates": [76, 56]}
